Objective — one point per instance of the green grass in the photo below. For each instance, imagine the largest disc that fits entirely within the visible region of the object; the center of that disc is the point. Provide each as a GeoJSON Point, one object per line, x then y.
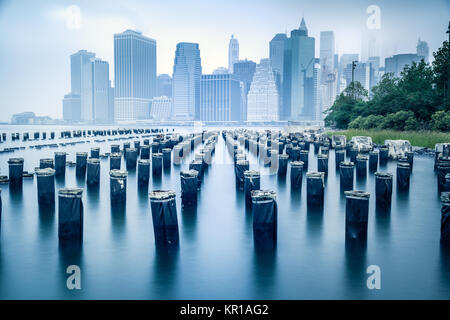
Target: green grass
{"type": "Point", "coordinates": [416, 138]}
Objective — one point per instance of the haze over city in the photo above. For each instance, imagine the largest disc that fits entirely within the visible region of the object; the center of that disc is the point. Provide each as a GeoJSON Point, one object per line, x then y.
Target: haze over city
{"type": "Point", "coordinates": [39, 37]}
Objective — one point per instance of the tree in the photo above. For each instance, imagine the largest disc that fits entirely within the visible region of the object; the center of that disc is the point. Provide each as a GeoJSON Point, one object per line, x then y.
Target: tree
{"type": "Point", "coordinates": [441, 69]}
{"type": "Point", "coordinates": [343, 110]}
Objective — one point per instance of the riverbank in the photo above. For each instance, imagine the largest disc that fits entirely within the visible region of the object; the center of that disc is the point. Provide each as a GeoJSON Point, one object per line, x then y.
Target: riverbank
{"type": "Point", "coordinates": [426, 139]}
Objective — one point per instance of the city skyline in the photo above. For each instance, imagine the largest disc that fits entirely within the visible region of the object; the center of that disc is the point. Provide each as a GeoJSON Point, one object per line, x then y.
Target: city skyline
{"type": "Point", "coordinates": [421, 20]}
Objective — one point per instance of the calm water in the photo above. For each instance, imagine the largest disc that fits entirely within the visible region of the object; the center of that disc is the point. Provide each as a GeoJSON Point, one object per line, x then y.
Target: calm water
{"type": "Point", "coordinates": [216, 259]}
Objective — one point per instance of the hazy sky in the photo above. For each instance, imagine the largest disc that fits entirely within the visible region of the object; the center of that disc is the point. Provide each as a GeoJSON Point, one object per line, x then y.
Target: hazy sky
{"type": "Point", "coordinates": [37, 37]}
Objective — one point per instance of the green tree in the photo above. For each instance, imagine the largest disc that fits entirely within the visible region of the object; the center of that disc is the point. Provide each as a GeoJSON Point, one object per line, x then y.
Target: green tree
{"type": "Point", "coordinates": [441, 121]}
{"type": "Point", "coordinates": [346, 105]}
{"type": "Point", "coordinates": [441, 69]}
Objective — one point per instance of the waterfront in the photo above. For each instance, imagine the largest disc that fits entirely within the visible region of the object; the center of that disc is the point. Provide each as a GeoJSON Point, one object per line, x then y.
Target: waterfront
{"type": "Point", "coordinates": [216, 259]}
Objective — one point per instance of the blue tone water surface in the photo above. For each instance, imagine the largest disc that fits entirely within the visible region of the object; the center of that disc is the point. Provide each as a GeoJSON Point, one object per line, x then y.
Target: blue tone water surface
{"type": "Point", "coordinates": [216, 258]}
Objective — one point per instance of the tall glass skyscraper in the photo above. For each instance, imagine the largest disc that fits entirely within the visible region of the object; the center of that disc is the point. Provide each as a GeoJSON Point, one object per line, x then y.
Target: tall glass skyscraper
{"type": "Point", "coordinates": [298, 68]}
{"type": "Point", "coordinates": [101, 90]}
{"type": "Point", "coordinates": [81, 81]}
{"type": "Point", "coordinates": [187, 72]}
{"type": "Point", "coordinates": [263, 100]}
{"type": "Point", "coordinates": [220, 98]}
{"type": "Point", "coordinates": [134, 75]}
{"type": "Point", "coordinates": [244, 70]}
{"type": "Point", "coordinates": [233, 53]}
{"type": "Point", "coordinates": [90, 89]}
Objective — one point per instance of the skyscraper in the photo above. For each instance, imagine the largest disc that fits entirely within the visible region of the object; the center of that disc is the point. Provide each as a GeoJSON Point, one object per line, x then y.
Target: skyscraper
{"type": "Point", "coordinates": [233, 53]}
{"type": "Point", "coordinates": [423, 50]}
{"type": "Point", "coordinates": [89, 99]}
{"type": "Point", "coordinates": [220, 98]}
{"type": "Point", "coordinates": [298, 67]}
{"type": "Point", "coordinates": [81, 81]}
{"type": "Point", "coordinates": [327, 69]}
{"type": "Point", "coordinates": [276, 56]}
{"type": "Point", "coordinates": [187, 71]}
{"type": "Point", "coordinates": [134, 75]}
{"type": "Point", "coordinates": [164, 85]}
{"type": "Point", "coordinates": [345, 60]}
{"type": "Point", "coordinates": [100, 88]}
{"type": "Point", "coordinates": [327, 51]}
{"type": "Point", "coordinates": [244, 71]}
{"type": "Point", "coordinates": [263, 100]}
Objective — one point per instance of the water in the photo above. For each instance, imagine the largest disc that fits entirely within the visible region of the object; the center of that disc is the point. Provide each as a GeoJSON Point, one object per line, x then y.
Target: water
{"type": "Point", "coordinates": [216, 259]}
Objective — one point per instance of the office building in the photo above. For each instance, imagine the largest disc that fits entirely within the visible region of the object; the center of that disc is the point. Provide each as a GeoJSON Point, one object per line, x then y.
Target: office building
{"type": "Point", "coordinates": [263, 99]}
{"type": "Point", "coordinates": [220, 98]}
{"type": "Point", "coordinates": [187, 71]}
{"type": "Point", "coordinates": [244, 70]}
{"type": "Point", "coordinates": [297, 71]}
{"type": "Point", "coordinates": [134, 75]}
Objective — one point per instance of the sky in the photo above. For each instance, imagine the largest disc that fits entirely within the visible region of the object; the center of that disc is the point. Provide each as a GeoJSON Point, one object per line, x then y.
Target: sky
{"type": "Point", "coordinates": [38, 37]}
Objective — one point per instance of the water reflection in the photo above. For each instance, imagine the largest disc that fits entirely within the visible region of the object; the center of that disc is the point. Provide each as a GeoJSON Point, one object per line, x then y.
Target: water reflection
{"type": "Point", "coordinates": [16, 194]}
{"type": "Point", "coordinates": [70, 254]}
{"type": "Point", "coordinates": [165, 273]}
{"type": "Point", "coordinates": [264, 272]}
{"type": "Point", "coordinates": [189, 220]}
{"type": "Point", "coordinates": [143, 193]}
{"type": "Point", "coordinates": [118, 219]}
{"type": "Point", "coordinates": [314, 221]}
{"type": "Point", "coordinates": [93, 195]}
{"type": "Point", "coordinates": [355, 268]}
{"type": "Point", "coordinates": [46, 220]}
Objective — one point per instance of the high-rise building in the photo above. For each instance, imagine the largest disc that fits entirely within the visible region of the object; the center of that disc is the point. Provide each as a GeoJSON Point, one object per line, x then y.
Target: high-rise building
{"type": "Point", "coordinates": [72, 107]}
{"type": "Point", "coordinates": [423, 50]}
{"type": "Point", "coordinates": [345, 60]}
{"type": "Point", "coordinates": [81, 81]}
{"type": "Point", "coordinates": [233, 53]}
{"type": "Point", "coordinates": [187, 71]}
{"type": "Point", "coordinates": [362, 74]}
{"type": "Point", "coordinates": [164, 85]}
{"type": "Point", "coordinates": [298, 68]}
{"type": "Point", "coordinates": [328, 74]}
{"type": "Point", "coordinates": [161, 108]}
{"type": "Point", "coordinates": [327, 51]}
{"type": "Point", "coordinates": [134, 75]}
{"type": "Point", "coordinates": [100, 88]}
{"type": "Point", "coordinates": [244, 70]}
{"type": "Point", "coordinates": [397, 63]}
{"type": "Point", "coordinates": [90, 89]}
{"type": "Point", "coordinates": [263, 100]}
{"type": "Point", "coordinates": [220, 98]}
{"type": "Point", "coordinates": [276, 52]}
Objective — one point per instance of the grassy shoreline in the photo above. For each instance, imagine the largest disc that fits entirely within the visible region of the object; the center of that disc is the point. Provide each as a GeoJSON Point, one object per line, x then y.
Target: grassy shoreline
{"type": "Point", "coordinates": [416, 138]}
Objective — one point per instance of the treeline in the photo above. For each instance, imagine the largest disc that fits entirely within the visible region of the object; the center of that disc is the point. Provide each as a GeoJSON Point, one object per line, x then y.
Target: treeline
{"type": "Point", "coordinates": [418, 100]}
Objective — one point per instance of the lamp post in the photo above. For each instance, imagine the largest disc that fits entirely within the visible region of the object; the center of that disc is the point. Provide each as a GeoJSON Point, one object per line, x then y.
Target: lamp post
{"type": "Point", "coordinates": [354, 62]}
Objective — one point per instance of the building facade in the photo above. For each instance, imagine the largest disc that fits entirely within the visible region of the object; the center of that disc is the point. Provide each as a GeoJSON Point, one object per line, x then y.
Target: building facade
{"type": "Point", "coordinates": [187, 71]}
{"type": "Point", "coordinates": [161, 108]}
{"type": "Point", "coordinates": [134, 75]}
{"type": "Point", "coordinates": [81, 81]}
{"type": "Point", "coordinates": [244, 70]}
{"type": "Point", "coordinates": [263, 98]}
{"type": "Point", "coordinates": [298, 70]}
{"type": "Point", "coordinates": [220, 98]}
